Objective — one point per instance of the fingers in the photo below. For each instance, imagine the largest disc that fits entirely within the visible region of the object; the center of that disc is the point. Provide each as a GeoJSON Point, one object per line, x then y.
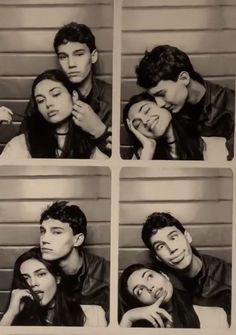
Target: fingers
{"type": "Point", "coordinates": [75, 97]}
{"type": "Point", "coordinates": [156, 321]}
{"type": "Point", "coordinates": [159, 301]}
{"type": "Point", "coordinates": [165, 314]}
{"type": "Point", "coordinates": [5, 115]}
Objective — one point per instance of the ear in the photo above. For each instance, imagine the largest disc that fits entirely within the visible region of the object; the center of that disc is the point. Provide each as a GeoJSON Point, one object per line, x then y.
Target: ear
{"type": "Point", "coordinates": [58, 280]}
{"type": "Point", "coordinates": [184, 77]}
{"type": "Point", "coordinates": [79, 239]}
{"type": "Point", "coordinates": [188, 236]}
{"type": "Point", "coordinates": [94, 56]}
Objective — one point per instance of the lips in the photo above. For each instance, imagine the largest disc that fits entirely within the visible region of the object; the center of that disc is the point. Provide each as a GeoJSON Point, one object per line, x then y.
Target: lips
{"type": "Point", "coordinates": [74, 73]}
{"type": "Point", "coordinates": [177, 259]}
{"type": "Point", "coordinates": [46, 250]}
{"type": "Point", "coordinates": [39, 294]}
{"type": "Point", "coordinates": [52, 113]}
{"type": "Point", "coordinates": [158, 293]}
{"type": "Point", "coordinates": [154, 122]}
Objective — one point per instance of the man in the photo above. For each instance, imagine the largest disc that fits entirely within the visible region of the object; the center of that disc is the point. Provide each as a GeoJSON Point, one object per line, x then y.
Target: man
{"type": "Point", "coordinates": [208, 279]}
{"type": "Point", "coordinates": [168, 75]}
{"type": "Point", "coordinates": [76, 50]}
{"type": "Point", "coordinates": [85, 276]}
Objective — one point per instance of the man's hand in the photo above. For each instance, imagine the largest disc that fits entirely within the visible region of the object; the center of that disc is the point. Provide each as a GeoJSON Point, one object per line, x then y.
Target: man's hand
{"type": "Point", "coordinates": [5, 115]}
{"type": "Point", "coordinates": [86, 118]}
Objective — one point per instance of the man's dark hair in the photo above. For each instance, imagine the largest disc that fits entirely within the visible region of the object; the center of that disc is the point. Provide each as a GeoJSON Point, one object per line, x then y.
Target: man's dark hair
{"type": "Point", "coordinates": [71, 214]}
{"type": "Point", "coordinates": [157, 221]}
{"type": "Point", "coordinates": [164, 62]}
{"type": "Point", "coordinates": [74, 32]}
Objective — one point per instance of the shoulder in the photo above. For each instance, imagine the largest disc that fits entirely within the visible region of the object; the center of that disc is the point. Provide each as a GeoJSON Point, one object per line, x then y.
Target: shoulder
{"type": "Point", "coordinates": [16, 148]}
{"type": "Point", "coordinates": [98, 267]}
{"type": "Point", "coordinates": [95, 316]}
{"type": "Point", "coordinates": [104, 88]}
{"type": "Point", "coordinates": [211, 317]}
{"type": "Point", "coordinates": [220, 97]}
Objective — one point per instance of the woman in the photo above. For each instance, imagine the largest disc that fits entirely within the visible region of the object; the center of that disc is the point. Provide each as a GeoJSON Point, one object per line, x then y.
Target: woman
{"type": "Point", "coordinates": [149, 296]}
{"type": "Point", "coordinates": [158, 134]}
{"type": "Point", "coordinates": [37, 299]}
{"type": "Point", "coordinates": [50, 125]}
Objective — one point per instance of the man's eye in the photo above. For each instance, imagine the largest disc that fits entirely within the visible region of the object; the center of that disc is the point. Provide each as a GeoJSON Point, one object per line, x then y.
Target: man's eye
{"type": "Point", "coordinates": [56, 232]}
{"type": "Point", "coordinates": [79, 53]}
{"type": "Point", "coordinates": [56, 94]}
{"type": "Point", "coordinates": [62, 56]}
{"type": "Point", "coordinates": [159, 247]}
{"type": "Point", "coordinates": [174, 236]}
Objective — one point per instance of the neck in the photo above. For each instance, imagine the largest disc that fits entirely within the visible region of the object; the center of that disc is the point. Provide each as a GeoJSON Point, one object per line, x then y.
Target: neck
{"type": "Point", "coordinates": [170, 134]}
{"type": "Point", "coordinates": [62, 127]}
{"type": "Point", "coordinates": [71, 264]}
{"type": "Point", "coordinates": [194, 268]}
{"type": "Point", "coordinates": [86, 85]}
{"type": "Point", "coordinates": [196, 91]}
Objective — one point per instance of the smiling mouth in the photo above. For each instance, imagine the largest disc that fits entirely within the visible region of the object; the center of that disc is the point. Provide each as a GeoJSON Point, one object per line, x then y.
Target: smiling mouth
{"type": "Point", "coordinates": [154, 122]}
{"type": "Point", "coordinates": [177, 259]}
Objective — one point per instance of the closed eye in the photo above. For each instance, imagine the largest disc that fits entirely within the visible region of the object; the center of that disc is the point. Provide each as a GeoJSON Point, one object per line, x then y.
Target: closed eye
{"type": "Point", "coordinates": [136, 123]}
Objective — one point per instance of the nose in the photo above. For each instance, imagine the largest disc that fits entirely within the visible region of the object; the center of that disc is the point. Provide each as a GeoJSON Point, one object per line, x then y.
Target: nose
{"type": "Point", "coordinates": [49, 102]}
{"type": "Point", "coordinates": [44, 239]}
{"type": "Point", "coordinates": [71, 62]}
{"type": "Point", "coordinates": [171, 247]}
{"type": "Point", "coordinates": [33, 282]}
{"type": "Point", "coordinates": [160, 102]}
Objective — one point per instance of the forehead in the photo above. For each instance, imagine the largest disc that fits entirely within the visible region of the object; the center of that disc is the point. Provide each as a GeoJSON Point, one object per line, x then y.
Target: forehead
{"type": "Point", "coordinates": [31, 265]}
{"type": "Point", "coordinates": [71, 47]}
{"type": "Point", "coordinates": [52, 223]}
{"type": "Point", "coordinates": [136, 108]}
{"type": "Point", "coordinates": [163, 233]}
{"type": "Point", "coordinates": [138, 277]}
{"type": "Point", "coordinates": [46, 85]}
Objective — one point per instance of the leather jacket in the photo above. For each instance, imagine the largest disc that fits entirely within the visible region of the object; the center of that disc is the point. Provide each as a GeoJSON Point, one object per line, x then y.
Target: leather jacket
{"type": "Point", "coordinates": [211, 286]}
{"type": "Point", "coordinates": [91, 285]}
{"type": "Point", "coordinates": [100, 99]}
{"type": "Point", "coordinates": [214, 114]}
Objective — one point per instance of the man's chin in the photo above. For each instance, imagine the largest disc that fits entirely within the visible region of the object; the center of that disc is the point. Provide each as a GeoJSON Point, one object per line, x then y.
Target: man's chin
{"type": "Point", "coordinates": [49, 257]}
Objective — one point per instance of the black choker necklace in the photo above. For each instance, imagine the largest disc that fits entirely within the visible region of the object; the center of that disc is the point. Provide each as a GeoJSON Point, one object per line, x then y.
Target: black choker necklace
{"type": "Point", "coordinates": [61, 134]}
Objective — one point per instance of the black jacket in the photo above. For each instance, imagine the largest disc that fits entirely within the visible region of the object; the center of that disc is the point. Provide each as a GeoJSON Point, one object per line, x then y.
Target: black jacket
{"type": "Point", "coordinates": [91, 285]}
{"type": "Point", "coordinates": [211, 286]}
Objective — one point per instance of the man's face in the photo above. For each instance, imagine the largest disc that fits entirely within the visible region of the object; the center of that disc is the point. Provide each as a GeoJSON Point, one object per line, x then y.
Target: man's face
{"type": "Point", "coordinates": [56, 239]}
{"type": "Point", "coordinates": [76, 60]}
{"type": "Point", "coordinates": [170, 94]}
{"type": "Point", "coordinates": [172, 247]}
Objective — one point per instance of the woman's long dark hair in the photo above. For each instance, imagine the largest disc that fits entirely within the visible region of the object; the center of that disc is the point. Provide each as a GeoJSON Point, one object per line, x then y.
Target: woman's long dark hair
{"type": "Point", "coordinates": [184, 315]}
{"type": "Point", "coordinates": [189, 144]}
{"type": "Point", "coordinates": [40, 134]}
{"type": "Point", "coordinates": [67, 311]}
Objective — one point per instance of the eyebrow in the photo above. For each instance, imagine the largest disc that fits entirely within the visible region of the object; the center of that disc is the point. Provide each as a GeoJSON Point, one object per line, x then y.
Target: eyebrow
{"type": "Point", "coordinates": [52, 89]}
{"type": "Point", "coordinates": [159, 241]}
{"type": "Point", "coordinates": [36, 271]}
{"type": "Point", "coordinates": [57, 228]}
{"type": "Point", "coordinates": [159, 92]}
{"type": "Point", "coordinates": [140, 109]}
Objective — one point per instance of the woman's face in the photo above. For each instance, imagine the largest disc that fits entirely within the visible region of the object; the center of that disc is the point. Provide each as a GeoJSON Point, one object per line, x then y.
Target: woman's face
{"type": "Point", "coordinates": [149, 119]}
{"type": "Point", "coordinates": [41, 281]}
{"type": "Point", "coordinates": [53, 100]}
{"type": "Point", "coordinates": [148, 286]}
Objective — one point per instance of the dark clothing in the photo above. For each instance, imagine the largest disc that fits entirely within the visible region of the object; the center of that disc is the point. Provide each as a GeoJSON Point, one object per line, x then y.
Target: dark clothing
{"type": "Point", "coordinates": [215, 114]}
{"type": "Point", "coordinates": [100, 99]}
{"type": "Point", "coordinates": [211, 286]}
{"type": "Point", "coordinates": [91, 284]}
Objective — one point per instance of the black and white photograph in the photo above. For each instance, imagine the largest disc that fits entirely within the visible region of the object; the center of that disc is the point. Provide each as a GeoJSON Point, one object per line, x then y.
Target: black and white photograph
{"type": "Point", "coordinates": [54, 246]}
{"type": "Point", "coordinates": [55, 86]}
{"type": "Point", "coordinates": [177, 80]}
{"type": "Point", "coordinates": [175, 248]}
